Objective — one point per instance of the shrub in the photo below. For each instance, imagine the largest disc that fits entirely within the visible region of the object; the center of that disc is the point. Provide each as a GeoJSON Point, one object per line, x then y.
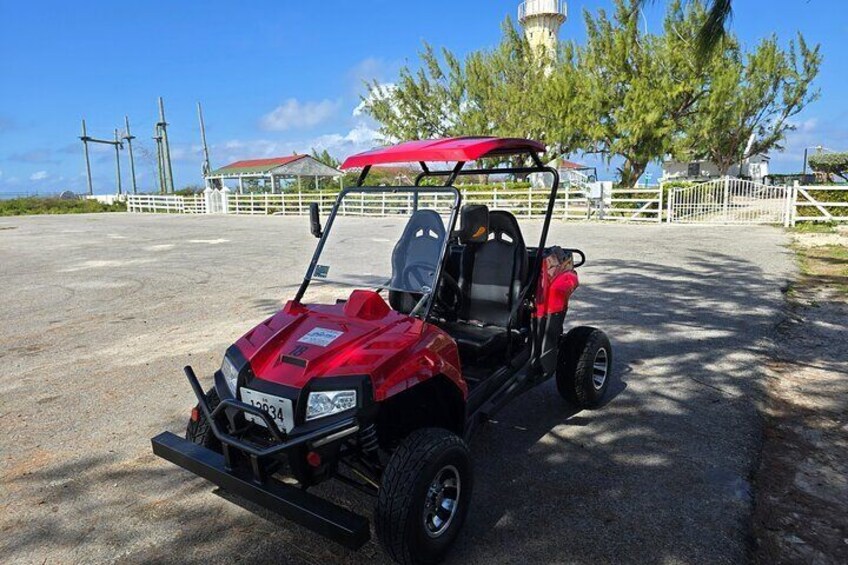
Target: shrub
{"type": "Point", "coordinates": [35, 205]}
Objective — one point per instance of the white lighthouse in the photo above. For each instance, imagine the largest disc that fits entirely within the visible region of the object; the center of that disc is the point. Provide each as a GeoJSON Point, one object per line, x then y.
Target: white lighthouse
{"type": "Point", "coordinates": [541, 20]}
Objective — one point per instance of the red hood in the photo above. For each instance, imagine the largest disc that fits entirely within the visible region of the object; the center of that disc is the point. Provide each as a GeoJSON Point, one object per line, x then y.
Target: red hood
{"type": "Point", "coordinates": [362, 336]}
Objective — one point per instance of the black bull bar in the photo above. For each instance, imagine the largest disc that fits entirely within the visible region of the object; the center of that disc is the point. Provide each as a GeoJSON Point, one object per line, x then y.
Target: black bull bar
{"type": "Point", "coordinates": [291, 502]}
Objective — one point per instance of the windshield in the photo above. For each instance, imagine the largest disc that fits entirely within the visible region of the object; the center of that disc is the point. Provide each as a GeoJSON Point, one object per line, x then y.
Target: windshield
{"type": "Point", "coordinates": [388, 238]}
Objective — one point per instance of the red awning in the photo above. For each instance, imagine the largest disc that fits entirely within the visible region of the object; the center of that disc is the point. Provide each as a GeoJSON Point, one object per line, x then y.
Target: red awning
{"type": "Point", "coordinates": [452, 149]}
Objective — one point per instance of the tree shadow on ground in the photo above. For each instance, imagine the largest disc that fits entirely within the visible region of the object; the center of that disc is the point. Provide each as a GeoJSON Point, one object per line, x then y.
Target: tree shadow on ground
{"type": "Point", "coordinates": [660, 473]}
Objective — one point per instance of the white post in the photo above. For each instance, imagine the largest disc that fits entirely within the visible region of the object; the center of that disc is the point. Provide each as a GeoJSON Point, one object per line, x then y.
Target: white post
{"type": "Point", "coordinates": [225, 200]}
{"type": "Point", "coordinates": [793, 206]}
{"type": "Point", "coordinates": [660, 205]}
{"type": "Point", "coordinates": [207, 199]}
{"type": "Point", "coordinates": [671, 196]}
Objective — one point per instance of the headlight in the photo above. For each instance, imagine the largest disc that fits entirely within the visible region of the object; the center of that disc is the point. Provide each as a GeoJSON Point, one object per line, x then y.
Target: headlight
{"type": "Point", "coordinates": [230, 373]}
{"type": "Point", "coordinates": [322, 404]}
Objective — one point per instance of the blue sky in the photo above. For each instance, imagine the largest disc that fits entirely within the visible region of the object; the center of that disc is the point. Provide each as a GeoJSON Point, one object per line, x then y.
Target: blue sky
{"type": "Point", "coordinates": [279, 77]}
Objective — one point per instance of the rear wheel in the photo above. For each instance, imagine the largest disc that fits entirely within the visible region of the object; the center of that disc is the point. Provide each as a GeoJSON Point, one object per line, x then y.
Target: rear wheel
{"type": "Point", "coordinates": [198, 429]}
{"type": "Point", "coordinates": [424, 496]}
{"type": "Point", "coordinates": [584, 366]}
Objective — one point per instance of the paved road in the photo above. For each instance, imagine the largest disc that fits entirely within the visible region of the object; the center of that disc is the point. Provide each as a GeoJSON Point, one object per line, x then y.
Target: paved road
{"type": "Point", "coordinates": [98, 313]}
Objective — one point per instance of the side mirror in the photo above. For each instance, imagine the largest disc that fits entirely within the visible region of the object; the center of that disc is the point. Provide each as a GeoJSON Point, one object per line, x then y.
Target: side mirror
{"type": "Point", "coordinates": [314, 220]}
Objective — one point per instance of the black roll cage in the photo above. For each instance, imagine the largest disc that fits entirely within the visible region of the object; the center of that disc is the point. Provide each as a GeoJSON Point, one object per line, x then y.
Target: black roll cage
{"type": "Point", "coordinates": [527, 293]}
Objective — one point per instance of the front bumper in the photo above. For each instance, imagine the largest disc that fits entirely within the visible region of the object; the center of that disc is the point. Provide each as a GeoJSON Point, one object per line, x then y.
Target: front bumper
{"type": "Point", "coordinates": [295, 504]}
{"type": "Point", "coordinates": [245, 468]}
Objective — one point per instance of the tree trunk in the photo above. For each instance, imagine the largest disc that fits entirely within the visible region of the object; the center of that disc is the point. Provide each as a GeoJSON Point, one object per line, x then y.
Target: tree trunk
{"type": "Point", "coordinates": [724, 167]}
{"type": "Point", "coordinates": [631, 172]}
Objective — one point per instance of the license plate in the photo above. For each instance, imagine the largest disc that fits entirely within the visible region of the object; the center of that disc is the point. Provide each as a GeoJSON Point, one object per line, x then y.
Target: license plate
{"type": "Point", "coordinates": [279, 409]}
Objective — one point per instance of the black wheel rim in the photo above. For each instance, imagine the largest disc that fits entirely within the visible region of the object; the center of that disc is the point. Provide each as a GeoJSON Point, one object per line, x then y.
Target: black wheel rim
{"type": "Point", "coordinates": [442, 501]}
{"type": "Point", "coordinates": [600, 368]}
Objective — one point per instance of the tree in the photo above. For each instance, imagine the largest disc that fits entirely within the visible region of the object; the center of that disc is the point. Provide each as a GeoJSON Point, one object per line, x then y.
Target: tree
{"type": "Point", "coordinates": [623, 94]}
{"type": "Point", "coordinates": [493, 92]}
{"type": "Point", "coordinates": [325, 157]}
{"type": "Point", "coordinates": [425, 103]}
{"type": "Point", "coordinates": [830, 164]}
{"type": "Point", "coordinates": [751, 101]}
{"type": "Point", "coordinates": [635, 91]}
{"type": "Point", "coordinates": [712, 30]}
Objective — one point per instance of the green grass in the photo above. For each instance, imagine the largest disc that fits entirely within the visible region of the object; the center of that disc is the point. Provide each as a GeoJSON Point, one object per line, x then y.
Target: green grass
{"type": "Point", "coordinates": [825, 265]}
{"type": "Point", "coordinates": [35, 205]}
{"type": "Point", "coordinates": [814, 227]}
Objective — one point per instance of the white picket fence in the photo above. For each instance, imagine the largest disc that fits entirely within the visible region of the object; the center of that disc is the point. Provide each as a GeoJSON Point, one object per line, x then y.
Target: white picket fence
{"type": "Point", "coordinates": [808, 205]}
{"type": "Point", "coordinates": [572, 202]}
{"type": "Point", "coordinates": [730, 201]}
{"type": "Point", "coordinates": [720, 201]}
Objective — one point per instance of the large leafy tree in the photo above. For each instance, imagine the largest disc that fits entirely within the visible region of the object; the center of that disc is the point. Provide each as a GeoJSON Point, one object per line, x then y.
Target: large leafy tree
{"type": "Point", "coordinates": [491, 92]}
{"type": "Point", "coordinates": [626, 95]}
{"type": "Point", "coordinates": [635, 91]}
{"type": "Point", "coordinates": [751, 101]}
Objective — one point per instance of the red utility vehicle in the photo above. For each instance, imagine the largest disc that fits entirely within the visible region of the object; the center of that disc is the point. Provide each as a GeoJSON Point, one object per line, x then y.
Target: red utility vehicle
{"type": "Point", "coordinates": [381, 387]}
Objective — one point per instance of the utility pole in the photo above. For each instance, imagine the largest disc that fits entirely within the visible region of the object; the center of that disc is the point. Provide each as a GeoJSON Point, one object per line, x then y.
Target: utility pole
{"type": "Point", "coordinates": [84, 139]}
{"type": "Point", "coordinates": [206, 166]}
{"type": "Point", "coordinates": [129, 137]}
{"type": "Point", "coordinates": [166, 148]}
{"type": "Point", "coordinates": [118, 161]}
{"type": "Point", "coordinates": [160, 169]}
{"type": "Point", "coordinates": [116, 143]}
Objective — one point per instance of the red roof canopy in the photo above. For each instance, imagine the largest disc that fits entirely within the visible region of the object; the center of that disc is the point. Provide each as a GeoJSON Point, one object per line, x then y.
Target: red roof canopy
{"type": "Point", "coordinates": [451, 149]}
{"type": "Point", "coordinates": [565, 164]}
{"type": "Point", "coordinates": [252, 163]}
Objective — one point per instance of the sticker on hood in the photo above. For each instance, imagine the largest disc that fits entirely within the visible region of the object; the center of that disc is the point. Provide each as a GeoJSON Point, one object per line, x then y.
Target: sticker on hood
{"type": "Point", "coordinates": [320, 336]}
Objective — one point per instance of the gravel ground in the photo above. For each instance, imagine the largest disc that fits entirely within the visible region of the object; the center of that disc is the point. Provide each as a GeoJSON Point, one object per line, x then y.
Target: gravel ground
{"type": "Point", "coordinates": [99, 312]}
{"type": "Point", "coordinates": [802, 482]}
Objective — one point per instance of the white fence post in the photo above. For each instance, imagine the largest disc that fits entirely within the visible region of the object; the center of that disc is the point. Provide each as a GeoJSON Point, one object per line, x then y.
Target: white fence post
{"type": "Point", "coordinates": [225, 200]}
{"type": "Point", "coordinates": [794, 204]}
{"type": "Point", "coordinates": [207, 199]}
{"type": "Point", "coordinates": [671, 196]}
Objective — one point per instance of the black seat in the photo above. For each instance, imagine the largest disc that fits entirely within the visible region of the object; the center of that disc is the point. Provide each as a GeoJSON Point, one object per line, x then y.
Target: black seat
{"type": "Point", "coordinates": [498, 271]}
{"type": "Point", "coordinates": [420, 244]}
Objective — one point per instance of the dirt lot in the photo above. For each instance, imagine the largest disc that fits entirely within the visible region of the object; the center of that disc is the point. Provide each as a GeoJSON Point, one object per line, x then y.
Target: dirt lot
{"type": "Point", "coordinates": [99, 313]}
{"type": "Point", "coordinates": [802, 483]}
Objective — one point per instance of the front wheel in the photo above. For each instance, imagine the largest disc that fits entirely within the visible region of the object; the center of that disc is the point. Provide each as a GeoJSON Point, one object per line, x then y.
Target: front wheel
{"type": "Point", "coordinates": [584, 366]}
{"type": "Point", "coordinates": [198, 429]}
{"type": "Point", "coordinates": [424, 496]}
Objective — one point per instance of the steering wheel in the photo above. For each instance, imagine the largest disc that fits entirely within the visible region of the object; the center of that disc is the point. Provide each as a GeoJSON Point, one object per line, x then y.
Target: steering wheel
{"type": "Point", "coordinates": [455, 290]}
{"type": "Point", "coordinates": [419, 274]}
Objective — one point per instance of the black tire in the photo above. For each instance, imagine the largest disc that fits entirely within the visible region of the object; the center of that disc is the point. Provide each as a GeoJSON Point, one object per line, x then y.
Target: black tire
{"type": "Point", "coordinates": [199, 432]}
{"type": "Point", "coordinates": [577, 380]}
{"type": "Point", "coordinates": [405, 519]}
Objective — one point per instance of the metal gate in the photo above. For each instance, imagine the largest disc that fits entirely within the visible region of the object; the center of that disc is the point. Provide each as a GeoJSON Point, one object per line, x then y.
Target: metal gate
{"type": "Point", "coordinates": [730, 201]}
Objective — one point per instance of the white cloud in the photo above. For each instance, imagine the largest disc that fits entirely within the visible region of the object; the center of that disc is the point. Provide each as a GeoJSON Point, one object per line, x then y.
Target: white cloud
{"type": "Point", "coordinates": [382, 91]}
{"type": "Point", "coordinates": [810, 133]}
{"type": "Point", "coordinates": [359, 138]}
{"type": "Point", "coordinates": [1, 174]}
{"type": "Point", "coordinates": [40, 175]}
{"type": "Point", "coordinates": [293, 114]}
